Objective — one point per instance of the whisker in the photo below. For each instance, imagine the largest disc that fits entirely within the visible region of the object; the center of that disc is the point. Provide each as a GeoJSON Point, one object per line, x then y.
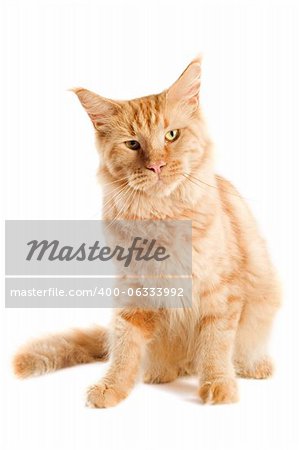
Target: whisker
{"type": "Point", "coordinates": [138, 206]}
{"type": "Point", "coordinates": [210, 185]}
{"type": "Point", "coordinates": [136, 215]}
{"type": "Point", "coordinates": [121, 197]}
{"type": "Point", "coordinates": [113, 182]}
{"type": "Point", "coordinates": [189, 179]}
{"type": "Point", "coordinates": [112, 195]}
{"type": "Point", "coordinates": [115, 196]}
{"type": "Point", "coordinates": [118, 191]}
{"type": "Point", "coordinates": [125, 205]}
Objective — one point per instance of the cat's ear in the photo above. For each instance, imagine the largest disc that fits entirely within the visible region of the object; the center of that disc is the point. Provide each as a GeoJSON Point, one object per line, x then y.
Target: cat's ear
{"type": "Point", "coordinates": [186, 89]}
{"type": "Point", "coordinates": [98, 108]}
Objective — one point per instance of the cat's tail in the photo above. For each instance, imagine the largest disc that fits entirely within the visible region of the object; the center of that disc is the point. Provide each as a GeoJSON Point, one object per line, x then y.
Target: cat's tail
{"type": "Point", "coordinates": [57, 351]}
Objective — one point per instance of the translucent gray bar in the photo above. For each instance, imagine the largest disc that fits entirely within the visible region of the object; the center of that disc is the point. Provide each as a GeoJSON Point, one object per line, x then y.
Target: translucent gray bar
{"type": "Point", "coordinates": [98, 292]}
{"type": "Point", "coordinates": [21, 237]}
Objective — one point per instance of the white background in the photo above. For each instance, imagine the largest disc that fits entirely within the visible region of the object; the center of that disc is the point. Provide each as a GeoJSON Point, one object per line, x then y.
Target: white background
{"type": "Point", "coordinates": [250, 97]}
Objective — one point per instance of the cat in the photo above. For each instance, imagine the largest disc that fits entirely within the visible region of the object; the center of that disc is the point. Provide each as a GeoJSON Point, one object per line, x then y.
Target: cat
{"type": "Point", "coordinates": [156, 157]}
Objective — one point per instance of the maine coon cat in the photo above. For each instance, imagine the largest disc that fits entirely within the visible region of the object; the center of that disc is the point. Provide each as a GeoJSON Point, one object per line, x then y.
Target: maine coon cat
{"type": "Point", "coordinates": [156, 163]}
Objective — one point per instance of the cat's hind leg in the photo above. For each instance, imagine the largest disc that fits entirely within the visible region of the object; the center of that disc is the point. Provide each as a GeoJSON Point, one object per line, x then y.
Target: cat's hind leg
{"type": "Point", "coordinates": [160, 374]}
{"type": "Point", "coordinates": [251, 358]}
{"type": "Point", "coordinates": [159, 366]}
{"type": "Point", "coordinates": [54, 352]}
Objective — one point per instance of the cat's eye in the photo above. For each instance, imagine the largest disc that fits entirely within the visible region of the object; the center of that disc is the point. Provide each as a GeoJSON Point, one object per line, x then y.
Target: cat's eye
{"type": "Point", "coordinates": [172, 135]}
{"type": "Point", "coordinates": [133, 145]}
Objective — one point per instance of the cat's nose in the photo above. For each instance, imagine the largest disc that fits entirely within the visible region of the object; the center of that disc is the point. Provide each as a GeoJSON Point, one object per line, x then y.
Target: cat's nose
{"type": "Point", "coordinates": [156, 167]}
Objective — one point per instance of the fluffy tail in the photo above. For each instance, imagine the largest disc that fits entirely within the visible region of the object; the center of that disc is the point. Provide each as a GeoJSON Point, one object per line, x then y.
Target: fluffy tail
{"type": "Point", "coordinates": [62, 350]}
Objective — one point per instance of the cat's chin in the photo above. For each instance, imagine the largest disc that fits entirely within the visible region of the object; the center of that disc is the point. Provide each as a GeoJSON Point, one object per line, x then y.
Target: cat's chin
{"type": "Point", "coordinates": [161, 189]}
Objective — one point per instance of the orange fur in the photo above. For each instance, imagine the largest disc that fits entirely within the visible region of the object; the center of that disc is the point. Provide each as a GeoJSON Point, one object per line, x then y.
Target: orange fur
{"type": "Point", "coordinates": [144, 320]}
{"type": "Point", "coordinates": [62, 350]}
{"type": "Point", "coordinates": [235, 290]}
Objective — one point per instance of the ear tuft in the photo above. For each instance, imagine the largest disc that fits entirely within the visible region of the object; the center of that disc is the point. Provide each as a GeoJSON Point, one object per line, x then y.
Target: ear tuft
{"type": "Point", "coordinates": [186, 88]}
{"type": "Point", "coordinates": [98, 108]}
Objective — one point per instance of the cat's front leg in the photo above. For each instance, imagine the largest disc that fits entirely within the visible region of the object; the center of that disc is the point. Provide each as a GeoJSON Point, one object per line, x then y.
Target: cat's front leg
{"type": "Point", "coordinates": [132, 329]}
{"type": "Point", "coordinates": [217, 333]}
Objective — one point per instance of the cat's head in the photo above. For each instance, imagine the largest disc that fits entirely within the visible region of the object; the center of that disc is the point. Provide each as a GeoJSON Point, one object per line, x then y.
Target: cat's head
{"type": "Point", "coordinates": [152, 142]}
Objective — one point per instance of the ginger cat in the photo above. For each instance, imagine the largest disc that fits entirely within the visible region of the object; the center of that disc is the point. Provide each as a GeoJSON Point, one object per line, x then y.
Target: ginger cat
{"type": "Point", "coordinates": [157, 157]}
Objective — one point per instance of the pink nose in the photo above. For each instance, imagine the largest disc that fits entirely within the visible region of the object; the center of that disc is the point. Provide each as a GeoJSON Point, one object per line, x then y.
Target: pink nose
{"type": "Point", "coordinates": [156, 167]}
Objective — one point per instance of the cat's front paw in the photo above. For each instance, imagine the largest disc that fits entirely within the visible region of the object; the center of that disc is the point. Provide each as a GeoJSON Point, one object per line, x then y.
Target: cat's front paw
{"type": "Point", "coordinates": [220, 390]}
{"type": "Point", "coordinates": [104, 395]}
